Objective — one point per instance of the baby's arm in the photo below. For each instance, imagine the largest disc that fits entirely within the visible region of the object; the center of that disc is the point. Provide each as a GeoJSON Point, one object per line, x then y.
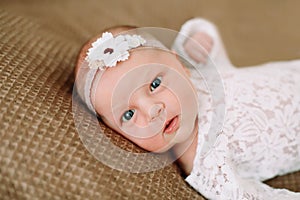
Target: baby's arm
{"type": "Point", "coordinates": [215, 177]}
{"type": "Point", "coordinates": [199, 32]}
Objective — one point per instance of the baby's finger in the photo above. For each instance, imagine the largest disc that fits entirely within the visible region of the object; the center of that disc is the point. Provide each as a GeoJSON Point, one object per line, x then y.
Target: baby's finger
{"type": "Point", "coordinates": [201, 50]}
{"type": "Point", "coordinates": [204, 40]}
{"type": "Point", "coordinates": [198, 55]}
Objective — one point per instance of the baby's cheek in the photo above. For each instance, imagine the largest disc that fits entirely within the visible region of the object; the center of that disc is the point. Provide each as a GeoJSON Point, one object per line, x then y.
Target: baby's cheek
{"type": "Point", "coordinates": [148, 130]}
{"type": "Point", "coordinates": [172, 100]}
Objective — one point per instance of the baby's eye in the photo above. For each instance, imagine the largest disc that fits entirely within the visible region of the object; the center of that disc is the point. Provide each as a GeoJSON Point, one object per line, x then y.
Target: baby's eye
{"type": "Point", "coordinates": [127, 115]}
{"type": "Point", "coordinates": [155, 83]}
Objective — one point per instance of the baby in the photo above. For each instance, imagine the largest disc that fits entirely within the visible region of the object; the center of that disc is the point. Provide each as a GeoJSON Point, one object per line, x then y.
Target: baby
{"type": "Point", "coordinates": [149, 95]}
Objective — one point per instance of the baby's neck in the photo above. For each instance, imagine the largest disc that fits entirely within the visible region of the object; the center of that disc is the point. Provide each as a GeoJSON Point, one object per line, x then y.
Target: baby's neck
{"type": "Point", "coordinates": [186, 160]}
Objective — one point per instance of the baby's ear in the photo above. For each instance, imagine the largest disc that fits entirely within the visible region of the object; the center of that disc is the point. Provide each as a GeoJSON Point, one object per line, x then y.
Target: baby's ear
{"type": "Point", "coordinates": [187, 71]}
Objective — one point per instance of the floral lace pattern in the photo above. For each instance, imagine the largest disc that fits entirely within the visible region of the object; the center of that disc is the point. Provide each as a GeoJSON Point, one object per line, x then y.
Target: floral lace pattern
{"type": "Point", "coordinates": [260, 137]}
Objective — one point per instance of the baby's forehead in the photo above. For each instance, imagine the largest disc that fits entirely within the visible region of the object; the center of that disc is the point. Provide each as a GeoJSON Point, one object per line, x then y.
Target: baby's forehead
{"type": "Point", "coordinates": [126, 77]}
{"type": "Point", "coordinates": [144, 60]}
{"type": "Point", "coordinates": [141, 66]}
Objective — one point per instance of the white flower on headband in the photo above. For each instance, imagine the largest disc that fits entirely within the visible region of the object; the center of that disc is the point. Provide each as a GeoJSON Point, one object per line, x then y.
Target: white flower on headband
{"type": "Point", "coordinates": [107, 50]}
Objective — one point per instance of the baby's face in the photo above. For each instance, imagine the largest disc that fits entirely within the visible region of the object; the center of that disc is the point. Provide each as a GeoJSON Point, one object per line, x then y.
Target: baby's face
{"type": "Point", "coordinates": [149, 99]}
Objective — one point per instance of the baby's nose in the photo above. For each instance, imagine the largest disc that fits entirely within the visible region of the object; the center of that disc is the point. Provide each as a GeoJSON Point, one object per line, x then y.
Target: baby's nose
{"type": "Point", "coordinates": [156, 110]}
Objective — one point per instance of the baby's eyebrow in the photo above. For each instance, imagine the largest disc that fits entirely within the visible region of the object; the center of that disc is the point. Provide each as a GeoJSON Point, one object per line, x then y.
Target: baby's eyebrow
{"type": "Point", "coordinates": [117, 106]}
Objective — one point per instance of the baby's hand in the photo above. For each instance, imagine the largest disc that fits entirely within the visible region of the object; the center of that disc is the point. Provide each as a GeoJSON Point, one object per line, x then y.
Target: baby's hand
{"type": "Point", "coordinates": [194, 50]}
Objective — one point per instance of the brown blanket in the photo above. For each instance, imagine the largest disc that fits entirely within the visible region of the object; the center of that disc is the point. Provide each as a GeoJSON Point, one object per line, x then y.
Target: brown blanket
{"type": "Point", "coordinates": [41, 155]}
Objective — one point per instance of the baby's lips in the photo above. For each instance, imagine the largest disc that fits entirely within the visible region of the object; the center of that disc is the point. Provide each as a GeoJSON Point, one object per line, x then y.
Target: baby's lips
{"type": "Point", "coordinates": [171, 125]}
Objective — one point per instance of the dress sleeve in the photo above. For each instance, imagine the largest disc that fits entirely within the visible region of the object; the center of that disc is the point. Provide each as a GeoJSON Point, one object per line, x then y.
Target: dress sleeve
{"type": "Point", "coordinates": [215, 177]}
{"type": "Point", "coordinates": [217, 54]}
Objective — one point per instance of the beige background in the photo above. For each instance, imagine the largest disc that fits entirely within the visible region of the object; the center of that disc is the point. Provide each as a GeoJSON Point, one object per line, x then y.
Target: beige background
{"type": "Point", "coordinates": [253, 31]}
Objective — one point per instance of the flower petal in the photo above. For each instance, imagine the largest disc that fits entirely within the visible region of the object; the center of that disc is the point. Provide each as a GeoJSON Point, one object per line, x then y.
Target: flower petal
{"type": "Point", "coordinates": [97, 56]}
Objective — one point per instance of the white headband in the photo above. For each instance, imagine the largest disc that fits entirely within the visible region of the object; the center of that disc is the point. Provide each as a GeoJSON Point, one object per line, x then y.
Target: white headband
{"type": "Point", "coordinates": [106, 52]}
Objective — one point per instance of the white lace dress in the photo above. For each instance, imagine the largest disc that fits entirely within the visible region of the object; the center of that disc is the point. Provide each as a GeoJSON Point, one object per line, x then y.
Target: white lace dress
{"type": "Point", "coordinates": [260, 134]}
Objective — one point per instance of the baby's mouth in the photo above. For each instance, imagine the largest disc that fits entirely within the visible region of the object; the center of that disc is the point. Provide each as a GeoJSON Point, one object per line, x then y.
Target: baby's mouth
{"type": "Point", "coordinates": [171, 125]}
